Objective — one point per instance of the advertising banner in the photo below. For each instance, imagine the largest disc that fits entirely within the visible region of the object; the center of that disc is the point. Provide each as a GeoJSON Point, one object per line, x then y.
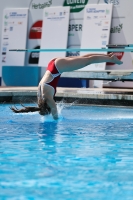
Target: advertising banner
{"type": "Point", "coordinates": [14, 36]}
{"type": "Point", "coordinates": [96, 32]}
{"type": "Point", "coordinates": [35, 25]}
{"type": "Point", "coordinates": [121, 33]}
{"type": "Point", "coordinates": [76, 23]}
{"type": "Point", "coordinates": [54, 33]}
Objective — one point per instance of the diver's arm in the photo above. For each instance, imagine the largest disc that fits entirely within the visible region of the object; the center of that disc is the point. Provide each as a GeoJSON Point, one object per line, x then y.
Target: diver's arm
{"type": "Point", "coordinates": [51, 103]}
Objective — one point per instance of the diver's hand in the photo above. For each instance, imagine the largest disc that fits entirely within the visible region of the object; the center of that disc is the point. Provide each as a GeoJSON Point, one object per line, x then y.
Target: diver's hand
{"type": "Point", "coordinates": [54, 113]}
{"type": "Point", "coordinates": [51, 103]}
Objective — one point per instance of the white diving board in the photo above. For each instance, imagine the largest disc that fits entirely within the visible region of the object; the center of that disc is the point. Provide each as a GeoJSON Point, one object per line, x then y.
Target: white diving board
{"type": "Point", "coordinates": [112, 75]}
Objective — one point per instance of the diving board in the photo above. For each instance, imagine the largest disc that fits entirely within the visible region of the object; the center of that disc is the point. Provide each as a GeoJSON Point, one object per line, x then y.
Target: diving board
{"type": "Point", "coordinates": [112, 75]}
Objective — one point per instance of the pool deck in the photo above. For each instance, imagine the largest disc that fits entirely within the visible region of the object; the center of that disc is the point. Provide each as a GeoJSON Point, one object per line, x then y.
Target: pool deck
{"type": "Point", "coordinates": [101, 96]}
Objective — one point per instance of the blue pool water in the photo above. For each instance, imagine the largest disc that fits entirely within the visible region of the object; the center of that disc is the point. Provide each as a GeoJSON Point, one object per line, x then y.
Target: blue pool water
{"type": "Point", "coordinates": [86, 155]}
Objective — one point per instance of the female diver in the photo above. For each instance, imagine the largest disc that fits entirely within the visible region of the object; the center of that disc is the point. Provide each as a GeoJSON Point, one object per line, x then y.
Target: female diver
{"type": "Point", "coordinates": [48, 84]}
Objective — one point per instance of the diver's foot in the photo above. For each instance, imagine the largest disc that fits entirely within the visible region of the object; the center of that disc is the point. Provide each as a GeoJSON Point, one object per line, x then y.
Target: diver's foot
{"type": "Point", "coordinates": [110, 54]}
{"type": "Point", "coordinates": [116, 60]}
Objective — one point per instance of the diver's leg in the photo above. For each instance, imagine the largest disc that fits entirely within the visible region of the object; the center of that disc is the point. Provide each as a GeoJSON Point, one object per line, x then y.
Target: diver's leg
{"type": "Point", "coordinates": [70, 64]}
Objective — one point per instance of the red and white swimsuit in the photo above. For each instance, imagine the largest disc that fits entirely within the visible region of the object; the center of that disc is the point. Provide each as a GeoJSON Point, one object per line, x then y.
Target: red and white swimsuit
{"type": "Point", "coordinates": [55, 74]}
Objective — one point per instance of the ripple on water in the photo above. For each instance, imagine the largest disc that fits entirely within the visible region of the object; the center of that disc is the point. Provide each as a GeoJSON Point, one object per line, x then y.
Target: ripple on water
{"type": "Point", "coordinates": [86, 154]}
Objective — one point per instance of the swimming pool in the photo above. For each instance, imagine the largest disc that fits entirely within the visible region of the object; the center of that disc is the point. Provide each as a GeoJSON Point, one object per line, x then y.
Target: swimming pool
{"type": "Point", "coordinates": [86, 154]}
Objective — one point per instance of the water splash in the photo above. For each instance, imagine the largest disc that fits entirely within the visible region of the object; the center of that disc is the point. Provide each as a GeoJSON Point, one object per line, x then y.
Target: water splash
{"type": "Point", "coordinates": [60, 106]}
